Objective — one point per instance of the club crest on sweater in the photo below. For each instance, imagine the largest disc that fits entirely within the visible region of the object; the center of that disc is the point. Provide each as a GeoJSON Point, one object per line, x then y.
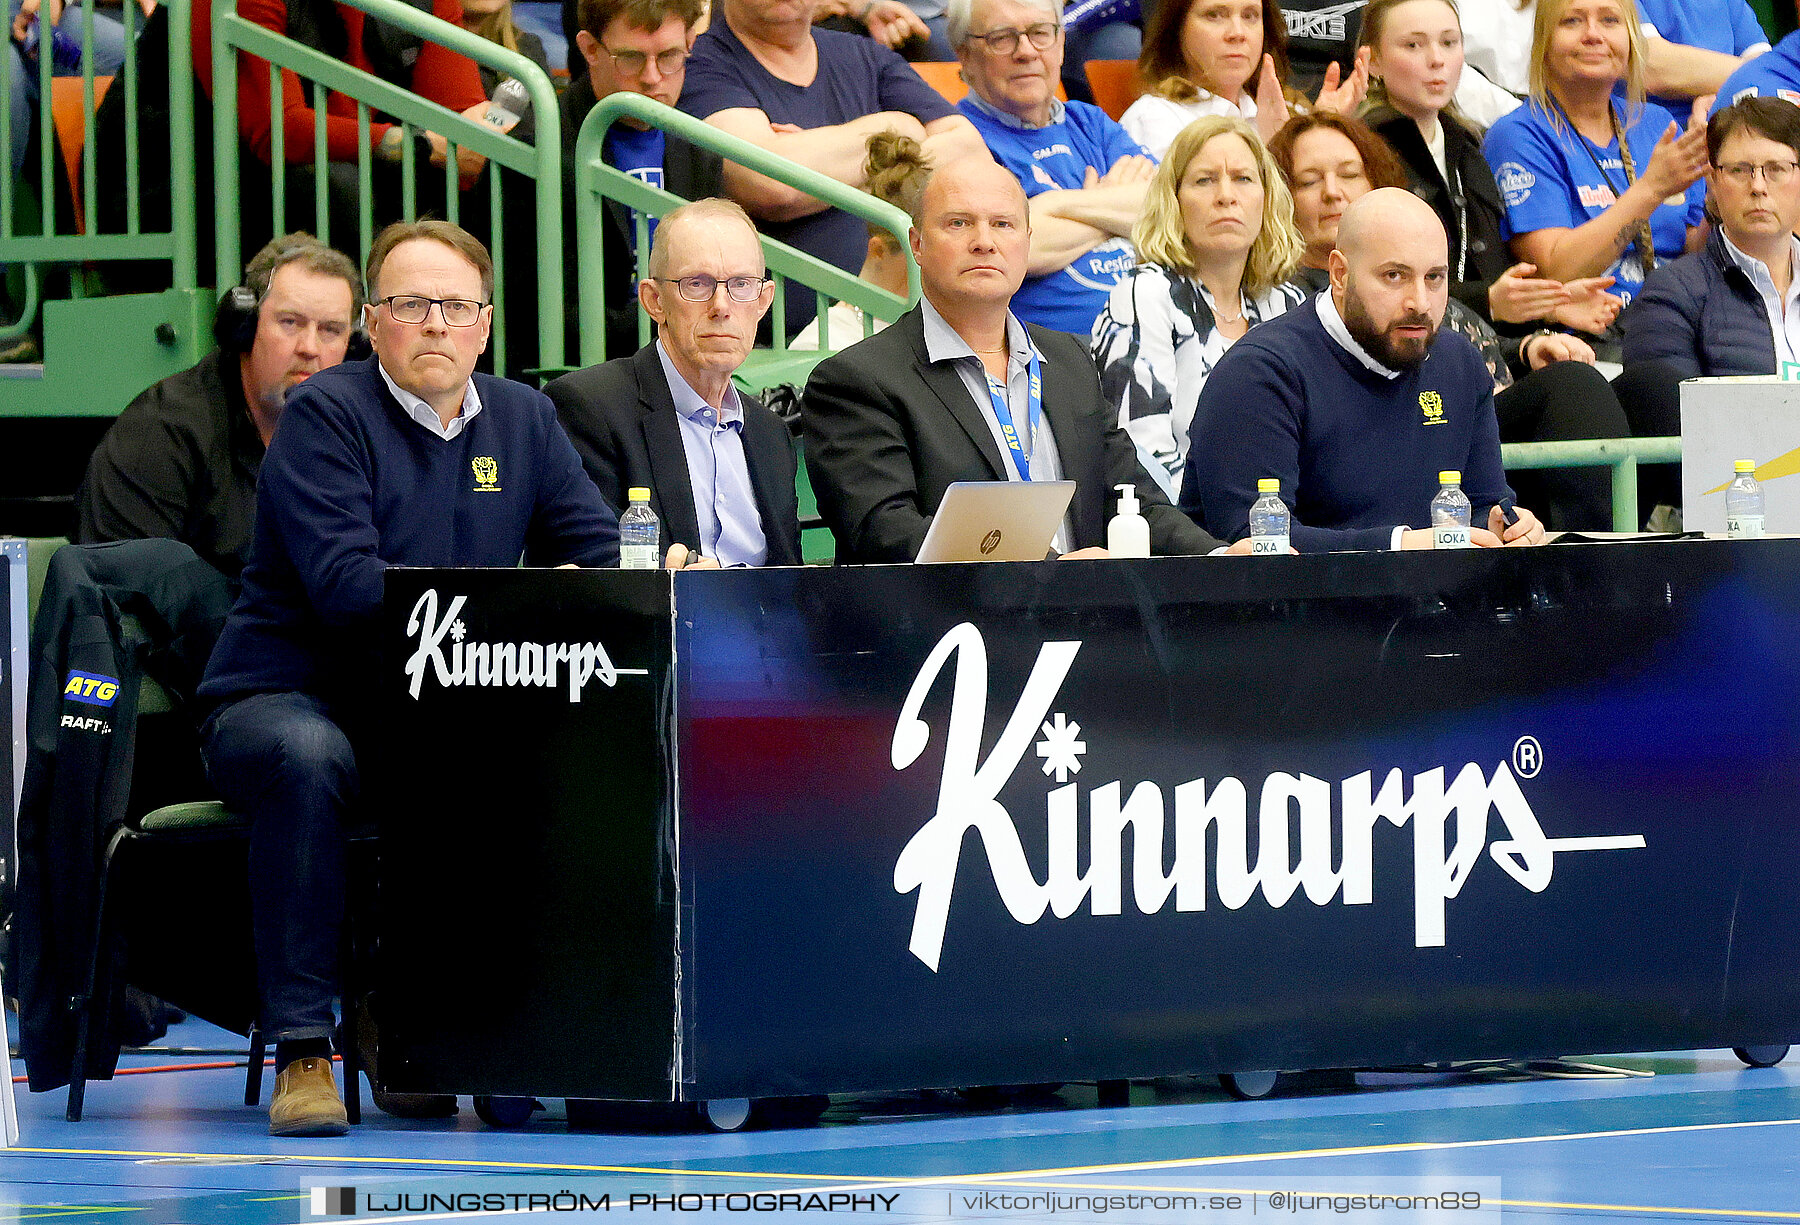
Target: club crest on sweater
{"type": "Point", "coordinates": [487, 474]}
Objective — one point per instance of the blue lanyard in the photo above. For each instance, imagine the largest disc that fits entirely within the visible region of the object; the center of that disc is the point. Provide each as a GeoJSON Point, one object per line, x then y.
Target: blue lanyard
{"type": "Point", "coordinates": [1034, 410]}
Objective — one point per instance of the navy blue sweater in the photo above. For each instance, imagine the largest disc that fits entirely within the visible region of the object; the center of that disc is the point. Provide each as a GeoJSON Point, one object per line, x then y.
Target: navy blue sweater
{"type": "Point", "coordinates": [1357, 454]}
{"type": "Point", "coordinates": [352, 485]}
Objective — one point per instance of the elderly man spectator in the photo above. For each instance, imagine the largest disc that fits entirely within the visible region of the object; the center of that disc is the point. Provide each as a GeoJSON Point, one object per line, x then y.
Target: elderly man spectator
{"type": "Point", "coordinates": [762, 73]}
{"type": "Point", "coordinates": [959, 389]}
{"type": "Point", "coordinates": [640, 47]}
{"type": "Point", "coordinates": [718, 465]}
{"type": "Point", "coordinates": [406, 459]}
{"type": "Point", "coordinates": [1356, 401]}
{"type": "Point", "coordinates": [1084, 175]}
{"type": "Point", "coordinates": [181, 461]}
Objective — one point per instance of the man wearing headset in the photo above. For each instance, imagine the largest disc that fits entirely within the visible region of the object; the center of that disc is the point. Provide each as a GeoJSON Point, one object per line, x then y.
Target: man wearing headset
{"type": "Point", "coordinates": [181, 460]}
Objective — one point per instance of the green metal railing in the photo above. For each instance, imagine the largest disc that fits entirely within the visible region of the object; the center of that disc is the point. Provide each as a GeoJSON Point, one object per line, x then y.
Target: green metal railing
{"type": "Point", "coordinates": [596, 182]}
{"type": "Point", "coordinates": [541, 163]}
{"type": "Point", "coordinates": [1622, 455]}
{"type": "Point", "coordinates": [55, 237]}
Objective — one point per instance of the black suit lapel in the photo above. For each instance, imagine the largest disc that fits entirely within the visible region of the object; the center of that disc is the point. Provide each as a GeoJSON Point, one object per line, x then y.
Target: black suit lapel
{"type": "Point", "coordinates": [671, 487]}
{"type": "Point", "coordinates": [949, 388]}
{"type": "Point", "coordinates": [1074, 448]}
{"type": "Point", "coordinates": [764, 452]}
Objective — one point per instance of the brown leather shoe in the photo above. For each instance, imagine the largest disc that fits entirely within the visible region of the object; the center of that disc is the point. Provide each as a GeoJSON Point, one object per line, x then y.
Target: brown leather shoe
{"type": "Point", "coordinates": [306, 1101]}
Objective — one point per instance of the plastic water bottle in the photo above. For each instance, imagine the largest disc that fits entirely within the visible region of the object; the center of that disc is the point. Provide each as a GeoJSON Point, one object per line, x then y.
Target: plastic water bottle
{"type": "Point", "coordinates": [508, 105]}
{"type": "Point", "coordinates": [639, 533]}
{"type": "Point", "coordinates": [1744, 503]}
{"type": "Point", "coordinates": [1269, 519]}
{"type": "Point", "coordinates": [1450, 513]}
{"type": "Point", "coordinates": [1128, 534]}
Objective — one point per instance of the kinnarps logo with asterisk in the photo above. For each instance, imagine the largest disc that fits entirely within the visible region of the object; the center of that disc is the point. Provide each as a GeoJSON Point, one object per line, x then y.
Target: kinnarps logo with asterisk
{"type": "Point", "coordinates": [1451, 811]}
{"type": "Point", "coordinates": [1432, 405]}
{"type": "Point", "coordinates": [487, 474]}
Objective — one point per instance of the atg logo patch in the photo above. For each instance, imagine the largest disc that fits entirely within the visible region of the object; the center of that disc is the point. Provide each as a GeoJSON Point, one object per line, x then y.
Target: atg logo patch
{"type": "Point", "coordinates": [92, 688]}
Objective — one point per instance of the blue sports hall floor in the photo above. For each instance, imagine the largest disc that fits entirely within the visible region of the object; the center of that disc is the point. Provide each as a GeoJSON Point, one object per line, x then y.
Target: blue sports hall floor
{"type": "Point", "coordinates": [1702, 1139]}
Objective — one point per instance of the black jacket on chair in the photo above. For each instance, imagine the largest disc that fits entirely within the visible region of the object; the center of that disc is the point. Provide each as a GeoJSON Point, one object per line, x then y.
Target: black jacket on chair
{"type": "Point", "coordinates": [110, 613]}
{"type": "Point", "coordinates": [887, 432]}
{"type": "Point", "coordinates": [622, 420]}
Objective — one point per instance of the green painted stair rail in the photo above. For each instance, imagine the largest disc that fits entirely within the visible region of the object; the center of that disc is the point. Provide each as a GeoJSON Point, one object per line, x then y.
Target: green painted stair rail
{"type": "Point", "coordinates": [1622, 455]}
{"type": "Point", "coordinates": [541, 162]}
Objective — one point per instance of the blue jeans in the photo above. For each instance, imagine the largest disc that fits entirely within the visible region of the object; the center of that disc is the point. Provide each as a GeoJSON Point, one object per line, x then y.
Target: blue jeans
{"type": "Point", "coordinates": [282, 761]}
{"type": "Point", "coordinates": [22, 84]}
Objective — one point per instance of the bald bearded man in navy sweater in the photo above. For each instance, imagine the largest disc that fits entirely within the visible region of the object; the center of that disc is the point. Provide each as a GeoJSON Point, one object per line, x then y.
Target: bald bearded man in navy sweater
{"type": "Point", "coordinates": [1356, 401]}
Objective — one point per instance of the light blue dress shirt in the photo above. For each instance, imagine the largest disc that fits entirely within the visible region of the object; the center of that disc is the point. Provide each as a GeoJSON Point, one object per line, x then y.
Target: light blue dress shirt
{"type": "Point", "coordinates": [731, 527]}
{"type": "Point", "coordinates": [943, 343]}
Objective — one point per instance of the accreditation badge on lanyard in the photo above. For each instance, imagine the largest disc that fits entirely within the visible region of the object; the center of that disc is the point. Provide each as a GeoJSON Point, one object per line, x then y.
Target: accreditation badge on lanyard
{"type": "Point", "coordinates": [1034, 409]}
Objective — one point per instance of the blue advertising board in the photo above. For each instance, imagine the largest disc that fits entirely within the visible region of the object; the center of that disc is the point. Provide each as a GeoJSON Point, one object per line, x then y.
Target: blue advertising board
{"type": "Point", "coordinates": [1038, 822]}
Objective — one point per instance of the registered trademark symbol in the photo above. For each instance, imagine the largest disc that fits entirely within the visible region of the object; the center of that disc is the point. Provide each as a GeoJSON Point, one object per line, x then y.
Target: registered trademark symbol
{"type": "Point", "coordinates": [1527, 757]}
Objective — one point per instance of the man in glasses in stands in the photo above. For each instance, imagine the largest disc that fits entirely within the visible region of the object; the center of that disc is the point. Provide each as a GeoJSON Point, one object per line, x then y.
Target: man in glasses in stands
{"type": "Point", "coordinates": [639, 47]}
{"type": "Point", "coordinates": [719, 466]}
{"type": "Point", "coordinates": [410, 459]}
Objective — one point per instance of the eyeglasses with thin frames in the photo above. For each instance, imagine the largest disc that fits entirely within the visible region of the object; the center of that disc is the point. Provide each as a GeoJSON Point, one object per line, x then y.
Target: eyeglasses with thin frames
{"type": "Point", "coordinates": [701, 287]}
{"type": "Point", "coordinates": [1005, 42]}
{"type": "Point", "coordinates": [632, 63]}
{"type": "Point", "coordinates": [1775, 174]}
{"type": "Point", "coordinates": [410, 308]}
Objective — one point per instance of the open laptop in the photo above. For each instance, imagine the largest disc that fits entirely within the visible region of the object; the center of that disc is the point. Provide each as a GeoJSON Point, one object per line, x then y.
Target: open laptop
{"type": "Point", "coordinates": [997, 521]}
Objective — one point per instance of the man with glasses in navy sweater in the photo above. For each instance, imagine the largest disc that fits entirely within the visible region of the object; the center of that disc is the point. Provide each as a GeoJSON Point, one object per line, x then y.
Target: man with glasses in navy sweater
{"type": "Point", "coordinates": [410, 459]}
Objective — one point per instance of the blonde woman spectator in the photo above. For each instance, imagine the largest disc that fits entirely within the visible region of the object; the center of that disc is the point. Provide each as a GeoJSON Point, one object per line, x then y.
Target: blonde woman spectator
{"type": "Point", "coordinates": [1594, 184]}
{"type": "Point", "coordinates": [1218, 244]}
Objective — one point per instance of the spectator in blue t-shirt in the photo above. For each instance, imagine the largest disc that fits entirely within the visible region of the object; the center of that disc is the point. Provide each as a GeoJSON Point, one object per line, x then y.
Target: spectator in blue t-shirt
{"type": "Point", "coordinates": [640, 47]}
{"type": "Point", "coordinates": [762, 73]}
{"type": "Point", "coordinates": [1084, 176]}
{"type": "Point", "coordinates": [1775, 74]}
{"type": "Point", "coordinates": [1594, 184]}
{"type": "Point", "coordinates": [1694, 45]}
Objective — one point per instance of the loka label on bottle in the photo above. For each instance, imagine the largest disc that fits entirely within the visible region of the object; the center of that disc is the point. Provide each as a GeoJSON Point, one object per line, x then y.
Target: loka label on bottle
{"type": "Point", "coordinates": [637, 557]}
{"type": "Point", "coordinates": [1744, 527]}
{"type": "Point", "coordinates": [1450, 536]}
{"type": "Point", "coordinates": [1260, 545]}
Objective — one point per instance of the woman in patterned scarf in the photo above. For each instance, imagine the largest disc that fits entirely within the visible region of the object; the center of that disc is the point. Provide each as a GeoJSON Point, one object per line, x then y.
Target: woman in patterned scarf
{"type": "Point", "coordinates": [1217, 243]}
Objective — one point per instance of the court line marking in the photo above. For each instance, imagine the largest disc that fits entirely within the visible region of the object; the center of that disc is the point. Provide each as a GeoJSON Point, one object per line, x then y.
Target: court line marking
{"type": "Point", "coordinates": [864, 1180]}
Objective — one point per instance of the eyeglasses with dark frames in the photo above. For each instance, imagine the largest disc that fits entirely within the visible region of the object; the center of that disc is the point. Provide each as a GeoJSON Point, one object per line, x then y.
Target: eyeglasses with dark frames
{"type": "Point", "coordinates": [1005, 42]}
{"type": "Point", "coordinates": [1775, 174]}
{"type": "Point", "coordinates": [410, 308]}
{"type": "Point", "coordinates": [633, 63]}
{"type": "Point", "coordinates": [700, 287]}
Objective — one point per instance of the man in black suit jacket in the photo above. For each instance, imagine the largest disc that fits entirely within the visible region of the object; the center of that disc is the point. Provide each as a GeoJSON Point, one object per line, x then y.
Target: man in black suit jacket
{"type": "Point", "coordinates": [891, 422]}
{"type": "Point", "coordinates": [620, 46]}
{"type": "Point", "coordinates": [668, 419]}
